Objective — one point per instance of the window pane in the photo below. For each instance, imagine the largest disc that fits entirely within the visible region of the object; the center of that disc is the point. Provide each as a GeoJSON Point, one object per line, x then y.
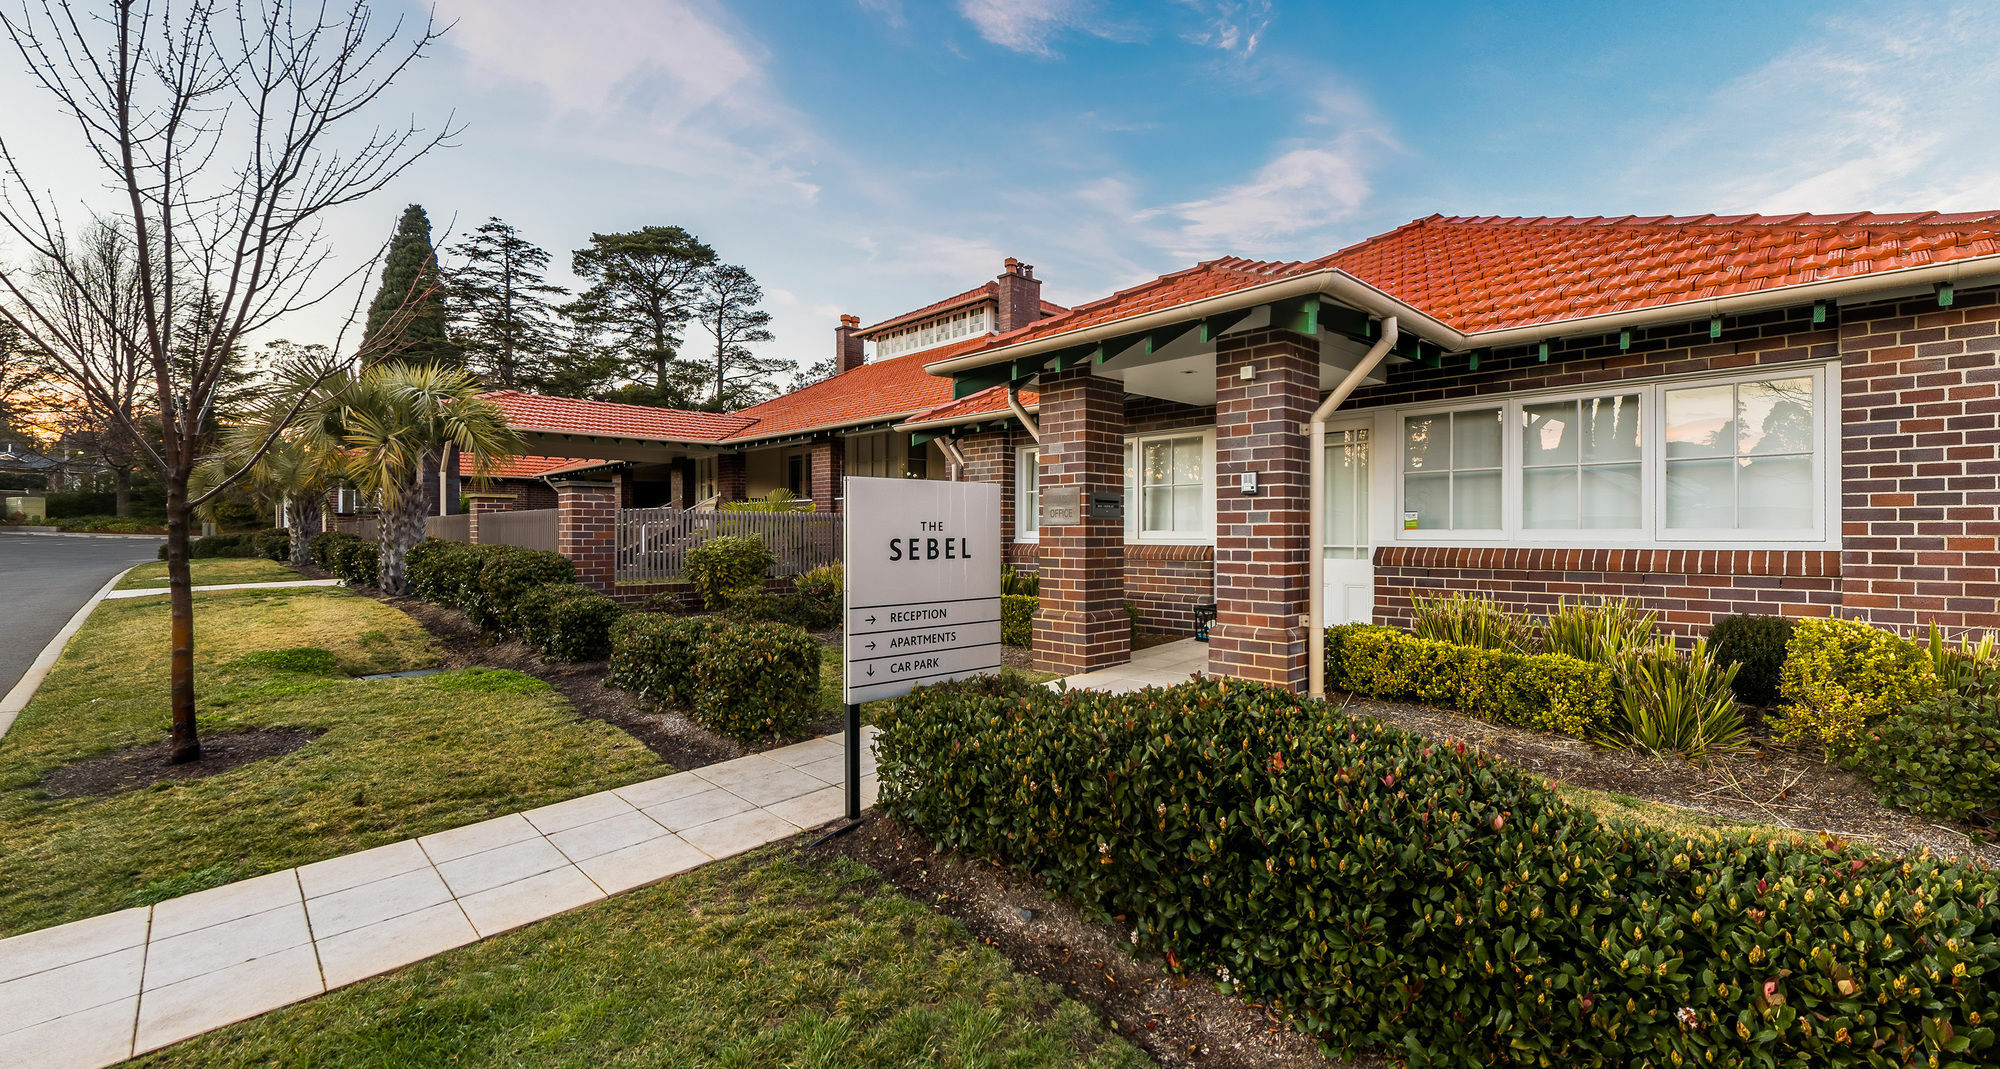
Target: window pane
{"type": "Point", "coordinates": [1699, 422]}
{"type": "Point", "coordinates": [1475, 440]}
{"type": "Point", "coordinates": [1187, 509]}
{"type": "Point", "coordinates": [1701, 494]}
{"type": "Point", "coordinates": [1775, 493]}
{"type": "Point", "coordinates": [1159, 510]}
{"type": "Point", "coordinates": [1427, 443]}
{"type": "Point", "coordinates": [1159, 463]}
{"type": "Point", "coordinates": [1475, 501]}
{"type": "Point", "coordinates": [1346, 552]}
{"type": "Point", "coordinates": [1548, 498]}
{"type": "Point", "coordinates": [1610, 498]}
{"type": "Point", "coordinates": [1187, 461]}
{"type": "Point", "coordinates": [1429, 497]}
{"type": "Point", "coordinates": [1610, 428]}
{"type": "Point", "coordinates": [1775, 416]}
{"type": "Point", "coordinates": [1548, 434]}
{"type": "Point", "coordinates": [1346, 491]}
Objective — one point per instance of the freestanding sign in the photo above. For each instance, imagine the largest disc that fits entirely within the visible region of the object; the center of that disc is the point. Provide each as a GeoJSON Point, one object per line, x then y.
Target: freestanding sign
{"type": "Point", "coordinates": [922, 564]}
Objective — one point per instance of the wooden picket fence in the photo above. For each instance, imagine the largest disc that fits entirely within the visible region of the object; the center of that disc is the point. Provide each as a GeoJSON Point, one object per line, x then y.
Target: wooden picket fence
{"type": "Point", "coordinates": [653, 543]}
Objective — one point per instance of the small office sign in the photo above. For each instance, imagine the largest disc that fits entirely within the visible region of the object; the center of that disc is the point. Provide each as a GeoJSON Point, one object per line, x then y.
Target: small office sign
{"type": "Point", "coordinates": [923, 584]}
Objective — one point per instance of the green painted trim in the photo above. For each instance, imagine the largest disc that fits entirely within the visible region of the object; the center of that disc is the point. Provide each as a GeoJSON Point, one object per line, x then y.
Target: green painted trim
{"type": "Point", "coordinates": [1624, 340]}
{"type": "Point", "coordinates": [966, 383]}
{"type": "Point", "coordinates": [1945, 294]}
{"type": "Point", "coordinates": [1300, 316]}
{"type": "Point", "coordinates": [1157, 340]}
{"type": "Point", "coordinates": [1714, 327]}
{"type": "Point", "coordinates": [1472, 361]}
{"type": "Point", "coordinates": [1819, 311]}
{"type": "Point", "coordinates": [1215, 326]}
{"type": "Point", "coordinates": [1544, 353]}
{"type": "Point", "coordinates": [918, 438]}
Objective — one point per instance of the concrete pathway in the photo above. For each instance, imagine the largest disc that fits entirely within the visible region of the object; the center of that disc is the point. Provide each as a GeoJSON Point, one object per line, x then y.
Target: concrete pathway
{"type": "Point", "coordinates": [1159, 666]}
{"type": "Point", "coordinates": [96, 992]}
{"type": "Point", "coordinates": [140, 593]}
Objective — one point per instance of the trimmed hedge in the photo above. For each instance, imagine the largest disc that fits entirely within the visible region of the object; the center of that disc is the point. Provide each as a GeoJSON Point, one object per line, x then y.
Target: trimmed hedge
{"type": "Point", "coordinates": [446, 573]}
{"type": "Point", "coordinates": [1017, 619]}
{"type": "Point", "coordinates": [1757, 645]}
{"type": "Point", "coordinates": [1839, 676]}
{"type": "Point", "coordinates": [567, 621]}
{"type": "Point", "coordinates": [320, 549]}
{"type": "Point", "coordinates": [722, 565]}
{"type": "Point", "coordinates": [273, 544]}
{"type": "Point", "coordinates": [356, 561]}
{"type": "Point", "coordinates": [1939, 756]}
{"type": "Point", "coordinates": [1385, 890]}
{"type": "Point", "coordinates": [505, 577]}
{"type": "Point", "coordinates": [756, 681]}
{"type": "Point", "coordinates": [1547, 692]}
{"type": "Point", "coordinates": [653, 656]}
{"type": "Point", "coordinates": [753, 604]}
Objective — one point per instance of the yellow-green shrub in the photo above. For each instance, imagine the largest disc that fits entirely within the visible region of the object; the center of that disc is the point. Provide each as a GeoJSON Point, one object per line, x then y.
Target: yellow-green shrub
{"type": "Point", "coordinates": [1839, 675]}
{"type": "Point", "coordinates": [1547, 692]}
{"type": "Point", "coordinates": [1017, 619]}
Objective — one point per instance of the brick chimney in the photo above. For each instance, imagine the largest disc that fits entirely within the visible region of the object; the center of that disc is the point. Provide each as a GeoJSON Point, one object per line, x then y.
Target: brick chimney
{"type": "Point", "coordinates": [1020, 296]}
{"type": "Point", "coordinates": [848, 352]}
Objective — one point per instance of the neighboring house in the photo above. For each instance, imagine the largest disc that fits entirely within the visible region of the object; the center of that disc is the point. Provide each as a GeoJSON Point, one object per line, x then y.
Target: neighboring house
{"type": "Point", "coordinates": [18, 459]}
{"type": "Point", "coordinates": [1793, 415]}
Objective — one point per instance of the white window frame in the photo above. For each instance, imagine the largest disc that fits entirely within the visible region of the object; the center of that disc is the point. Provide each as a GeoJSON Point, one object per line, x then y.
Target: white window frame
{"type": "Point", "coordinates": [1824, 534]}
{"type": "Point", "coordinates": [705, 482]}
{"type": "Point", "coordinates": [1134, 500]}
{"type": "Point", "coordinates": [1027, 493]}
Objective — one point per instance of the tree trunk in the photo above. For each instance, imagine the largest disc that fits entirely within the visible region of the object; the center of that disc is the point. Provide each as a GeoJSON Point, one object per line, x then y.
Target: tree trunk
{"type": "Point", "coordinates": [307, 519]}
{"type": "Point", "coordinates": [121, 490]}
{"type": "Point", "coordinates": [186, 743]}
{"type": "Point", "coordinates": [402, 527]}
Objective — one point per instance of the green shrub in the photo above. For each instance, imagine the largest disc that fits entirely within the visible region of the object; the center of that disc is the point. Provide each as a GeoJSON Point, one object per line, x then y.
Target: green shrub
{"type": "Point", "coordinates": [653, 655]}
{"type": "Point", "coordinates": [1939, 756]}
{"type": "Point", "coordinates": [1840, 675]}
{"type": "Point", "coordinates": [1469, 620]}
{"type": "Point", "coordinates": [506, 573]}
{"type": "Point", "coordinates": [274, 544]}
{"type": "Point", "coordinates": [356, 561]}
{"type": "Point", "coordinates": [1603, 632]}
{"type": "Point", "coordinates": [728, 563]}
{"type": "Point", "coordinates": [1547, 692]}
{"type": "Point", "coordinates": [220, 546]}
{"type": "Point", "coordinates": [1964, 664]}
{"type": "Point", "coordinates": [1679, 702]}
{"type": "Point", "coordinates": [446, 573]}
{"type": "Point", "coordinates": [828, 582]}
{"type": "Point", "coordinates": [567, 621]}
{"type": "Point", "coordinates": [1017, 619]}
{"type": "Point", "coordinates": [756, 681]}
{"type": "Point", "coordinates": [754, 604]}
{"type": "Point", "coordinates": [1028, 584]}
{"type": "Point", "coordinates": [779, 500]}
{"type": "Point", "coordinates": [321, 548]}
{"type": "Point", "coordinates": [1756, 645]}
{"type": "Point", "coordinates": [1388, 890]}
{"type": "Point", "coordinates": [421, 566]}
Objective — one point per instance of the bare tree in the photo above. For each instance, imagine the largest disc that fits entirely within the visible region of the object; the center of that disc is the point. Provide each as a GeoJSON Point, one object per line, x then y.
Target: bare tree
{"type": "Point", "coordinates": [215, 124]}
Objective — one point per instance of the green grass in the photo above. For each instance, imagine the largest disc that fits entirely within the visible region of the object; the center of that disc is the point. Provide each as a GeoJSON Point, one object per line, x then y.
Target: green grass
{"type": "Point", "coordinates": [771, 959]}
{"type": "Point", "coordinates": [210, 571]}
{"type": "Point", "coordinates": [398, 758]}
{"type": "Point", "coordinates": [1623, 809]}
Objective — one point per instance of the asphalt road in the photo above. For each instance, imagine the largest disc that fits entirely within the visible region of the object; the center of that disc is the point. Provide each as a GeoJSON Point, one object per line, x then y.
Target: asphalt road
{"type": "Point", "coordinates": [44, 579]}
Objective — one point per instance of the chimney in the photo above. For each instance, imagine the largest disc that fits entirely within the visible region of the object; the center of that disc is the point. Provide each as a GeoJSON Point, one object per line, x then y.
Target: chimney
{"type": "Point", "coordinates": [1020, 296]}
{"type": "Point", "coordinates": [848, 352]}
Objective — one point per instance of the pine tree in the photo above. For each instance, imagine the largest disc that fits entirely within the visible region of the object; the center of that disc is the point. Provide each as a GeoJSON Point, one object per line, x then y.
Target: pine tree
{"type": "Point", "coordinates": [499, 305]}
{"type": "Point", "coordinates": [643, 287]}
{"type": "Point", "coordinates": [406, 321]}
{"type": "Point", "coordinates": [728, 310]}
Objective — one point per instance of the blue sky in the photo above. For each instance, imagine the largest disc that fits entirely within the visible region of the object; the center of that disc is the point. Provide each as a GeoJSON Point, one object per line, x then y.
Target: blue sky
{"type": "Point", "coordinates": [867, 156]}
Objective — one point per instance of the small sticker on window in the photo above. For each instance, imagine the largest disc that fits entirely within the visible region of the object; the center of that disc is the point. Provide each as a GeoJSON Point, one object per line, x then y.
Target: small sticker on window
{"type": "Point", "coordinates": [1409, 521]}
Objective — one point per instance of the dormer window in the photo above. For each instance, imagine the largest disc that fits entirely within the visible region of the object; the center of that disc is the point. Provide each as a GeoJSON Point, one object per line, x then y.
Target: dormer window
{"type": "Point", "coordinates": [939, 330]}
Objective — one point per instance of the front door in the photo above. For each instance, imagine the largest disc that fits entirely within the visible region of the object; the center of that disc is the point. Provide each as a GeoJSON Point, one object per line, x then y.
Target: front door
{"type": "Point", "coordinates": [1350, 566]}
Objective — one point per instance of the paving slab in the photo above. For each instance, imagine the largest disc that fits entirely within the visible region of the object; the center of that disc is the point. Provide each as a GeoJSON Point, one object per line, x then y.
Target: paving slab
{"type": "Point", "coordinates": [615, 833]}
{"type": "Point", "coordinates": [59, 992]}
{"type": "Point", "coordinates": [221, 946]}
{"type": "Point", "coordinates": [211, 1000]}
{"type": "Point", "coordinates": [50, 948]}
{"type": "Point", "coordinates": [744, 831]}
{"type": "Point", "coordinates": [372, 903]}
{"type": "Point", "coordinates": [477, 838]}
{"type": "Point", "coordinates": [544, 894]}
{"type": "Point", "coordinates": [697, 809]}
{"type": "Point", "coordinates": [502, 865]}
{"type": "Point", "coordinates": [665, 789]}
{"type": "Point", "coordinates": [245, 898]}
{"type": "Point", "coordinates": [393, 943]}
{"type": "Point", "coordinates": [353, 870]}
{"type": "Point", "coordinates": [576, 812]}
{"type": "Point", "coordinates": [86, 1039]}
{"type": "Point", "coordinates": [636, 866]}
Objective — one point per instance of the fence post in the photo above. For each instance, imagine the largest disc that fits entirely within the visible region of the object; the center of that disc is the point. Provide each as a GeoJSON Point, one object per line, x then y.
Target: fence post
{"type": "Point", "coordinates": [587, 531]}
{"type": "Point", "coordinates": [483, 504]}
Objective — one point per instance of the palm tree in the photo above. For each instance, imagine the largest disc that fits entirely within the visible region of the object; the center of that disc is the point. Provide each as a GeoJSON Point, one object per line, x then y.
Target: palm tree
{"type": "Point", "coordinates": [296, 470]}
{"type": "Point", "coordinates": [393, 420]}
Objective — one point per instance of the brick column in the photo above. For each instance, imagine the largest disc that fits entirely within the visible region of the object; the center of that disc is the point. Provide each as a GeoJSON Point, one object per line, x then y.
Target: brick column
{"type": "Point", "coordinates": [829, 464]}
{"type": "Point", "coordinates": [680, 483]}
{"type": "Point", "coordinates": [1261, 577]}
{"type": "Point", "coordinates": [1082, 625]}
{"type": "Point", "coordinates": [486, 504]}
{"type": "Point", "coordinates": [732, 476]}
{"type": "Point", "coordinates": [586, 530]}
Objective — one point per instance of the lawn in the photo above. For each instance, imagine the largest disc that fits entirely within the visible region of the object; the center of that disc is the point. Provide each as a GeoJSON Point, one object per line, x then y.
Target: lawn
{"type": "Point", "coordinates": [396, 758]}
{"type": "Point", "coordinates": [210, 571]}
{"type": "Point", "coordinates": [773, 959]}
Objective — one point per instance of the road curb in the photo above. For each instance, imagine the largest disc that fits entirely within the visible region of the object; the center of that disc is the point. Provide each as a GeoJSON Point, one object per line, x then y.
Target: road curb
{"type": "Point", "coordinates": [31, 680]}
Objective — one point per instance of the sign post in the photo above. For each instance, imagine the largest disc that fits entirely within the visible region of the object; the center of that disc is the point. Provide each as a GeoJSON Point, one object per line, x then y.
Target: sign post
{"type": "Point", "coordinates": [922, 581]}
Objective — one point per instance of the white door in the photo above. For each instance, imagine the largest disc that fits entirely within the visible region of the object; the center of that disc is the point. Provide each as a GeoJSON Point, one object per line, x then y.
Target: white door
{"type": "Point", "coordinates": [1350, 565]}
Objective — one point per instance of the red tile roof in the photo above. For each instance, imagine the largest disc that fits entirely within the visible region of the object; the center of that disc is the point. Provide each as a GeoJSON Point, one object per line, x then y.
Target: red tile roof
{"type": "Point", "coordinates": [975, 295]}
{"type": "Point", "coordinates": [535, 412]}
{"type": "Point", "coordinates": [520, 467]}
{"type": "Point", "coordinates": [872, 392]}
{"type": "Point", "coordinates": [991, 401]}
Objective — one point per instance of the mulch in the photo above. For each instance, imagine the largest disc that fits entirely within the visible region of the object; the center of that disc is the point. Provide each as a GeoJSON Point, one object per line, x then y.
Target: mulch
{"type": "Point", "coordinates": [138, 767]}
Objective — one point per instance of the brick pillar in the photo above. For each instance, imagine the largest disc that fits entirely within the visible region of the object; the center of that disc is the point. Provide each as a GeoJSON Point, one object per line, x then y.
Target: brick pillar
{"type": "Point", "coordinates": [829, 463]}
{"type": "Point", "coordinates": [1082, 625]}
{"type": "Point", "coordinates": [486, 504]}
{"type": "Point", "coordinates": [1261, 576]}
{"type": "Point", "coordinates": [586, 529]}
{"type": "Point", "coordinates": [732, 476]}
{"type": "Point", "coordinates": [680, 483]}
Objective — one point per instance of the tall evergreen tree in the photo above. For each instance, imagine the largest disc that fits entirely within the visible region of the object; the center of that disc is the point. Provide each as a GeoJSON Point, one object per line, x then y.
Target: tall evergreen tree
{"type": "Point", "coordinates": [728, 310]}
{"type": "Point", "coordinates": [499, 305]}
{"type": "Point", "coordinates": [406, 321]}
{"type": "Point", "coordinates": [643, 288]}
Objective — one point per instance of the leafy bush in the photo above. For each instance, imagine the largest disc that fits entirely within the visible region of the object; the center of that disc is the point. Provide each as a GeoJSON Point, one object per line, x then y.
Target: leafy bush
{"type": "Point", "coordinates": [221, 545]}
{"type": "Point", "coordinates": [506, 574]}
{"type": "Point", "coordinates": [1017, 619]}
{"type": "Point", "coordinates": [828, 582]}
{"type": "Point", "coordinates": [653, 656]}
{"type": "Point", "coordinates": [1548, 692]}
{"type": "Point", "coordinates": [1469, 620]}
{"type": "Point", "coordinates": [1756, 645]}
{"type": "Point", "coordinates": [754, 604]}
{"type": "Point", "coordinates": [567, 621]}
{"type": "Point", "coordinates": [755, 681]}
{"type": "Point", "coordinates": [721, 565]}
{"type": "Point", "coordinates": [1840, 675]}
{"type": "Point", "coordinates": [273, 543]}
{"type": "Point", "coordinates": [1679, 702]}
{"type": "Point", "coordinates": [356, 562]}
{"type": "Point", "coordinates": [779, 500]}
{"type": "Point", "coordinates": [1027, 584]}
{"type": "Point", "coordinates": [322, 547]}
{"type": "Point", "coordinates": [1385, 889]}
{"type": "Point", "coordinates": [1939, 756]}
{"type": "Point", "coordinates": [1964, 665]}
{"type": "Point", "coordinates": [445, 573]}
{"type": "Point", "coordinates": [1604, 632]}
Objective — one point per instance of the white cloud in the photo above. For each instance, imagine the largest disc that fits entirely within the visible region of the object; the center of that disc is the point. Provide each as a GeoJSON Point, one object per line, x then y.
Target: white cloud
{"type": "Point", "coordinates": [1231, 25]}
{"type": "Point", "coordinates": [1891, 112]}
{"type": "Point", "coordinates": [1030, 26]}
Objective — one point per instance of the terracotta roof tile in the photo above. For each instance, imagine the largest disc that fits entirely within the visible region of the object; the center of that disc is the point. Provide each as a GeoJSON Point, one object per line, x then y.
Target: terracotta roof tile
{"type": "Point", "coordinates": [872, 392]}
{"type": "Point", "coordinates": [610, 419]}
{"type": "Point", "coordinates": [991, 401]}
{"type": "Point", "coordinates": [521, 467]}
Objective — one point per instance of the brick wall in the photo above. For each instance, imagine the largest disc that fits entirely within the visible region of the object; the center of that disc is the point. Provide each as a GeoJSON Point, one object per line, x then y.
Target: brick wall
{"type": "Point", "coordinates": [732, 476]}
{"type": "Point", "coordinates": [586, 531]}
{"type": "Point", "coordinates": [1165, 583]}
{"type": "Point", "coordinates": [990, 458]}
{"type": "Point", "coordinates": [829, 464]}
{"type": "Point", "coordinates": [1020, 296]}
{"type": "Point", "coordinates": [1081, 624]}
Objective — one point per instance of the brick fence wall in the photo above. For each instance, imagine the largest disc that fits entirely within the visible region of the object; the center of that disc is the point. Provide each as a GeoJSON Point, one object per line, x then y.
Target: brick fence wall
{"type": "Point", "coordinates": [1165, 583]}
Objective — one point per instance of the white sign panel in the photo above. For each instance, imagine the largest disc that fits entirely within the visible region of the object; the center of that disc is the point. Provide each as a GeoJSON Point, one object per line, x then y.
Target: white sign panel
{"type": "Point", "coordinates": [923, 584]}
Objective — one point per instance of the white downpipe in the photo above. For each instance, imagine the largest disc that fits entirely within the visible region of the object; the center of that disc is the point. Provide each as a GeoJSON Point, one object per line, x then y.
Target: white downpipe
{"type": "Point", "coordinates": [953, 455]}
{"type": "Point", "coordinates": [1021, 413]}
{"type": "Point", "coordinates": [1316, 496]}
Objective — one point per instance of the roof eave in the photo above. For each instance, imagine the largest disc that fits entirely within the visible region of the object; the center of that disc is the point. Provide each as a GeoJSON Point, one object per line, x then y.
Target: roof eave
{"type": "Point", "coordinates": [958, 421]}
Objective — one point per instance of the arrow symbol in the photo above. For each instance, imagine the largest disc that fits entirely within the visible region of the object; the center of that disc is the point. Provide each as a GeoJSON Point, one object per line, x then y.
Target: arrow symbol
{"type": "Point", "coordinates": [871, 669]}
{"type": "Point", "coordinates": [871, 645]}
{"type": "Point", "coordinates": [871, 619]}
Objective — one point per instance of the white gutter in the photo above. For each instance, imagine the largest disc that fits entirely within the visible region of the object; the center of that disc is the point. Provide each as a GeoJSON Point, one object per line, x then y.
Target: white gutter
{"type": "Point", "coordinates": [1020, 413]}
{"type": "Point", "coordinates": [1316, 497]}
{"type": "Point", "coordinates": [953, 455]}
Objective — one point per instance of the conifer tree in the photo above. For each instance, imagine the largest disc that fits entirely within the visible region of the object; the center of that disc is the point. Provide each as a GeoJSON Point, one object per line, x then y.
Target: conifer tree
{"type": "Point", "coordinates": [643, 289]}
{"type": "Point", "coordinates": [500, 310]}
{"type": "Point", "coordinates": [728, 310]}
{"type": "Point", "coordinates": [406, 321]}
